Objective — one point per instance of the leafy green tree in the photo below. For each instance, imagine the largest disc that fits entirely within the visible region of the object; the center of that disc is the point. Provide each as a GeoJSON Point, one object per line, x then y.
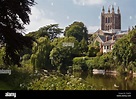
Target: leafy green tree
{"type": "Point", "coordinates": [56, 41]}
{"type": "Point", "coordinates": [106, 62]}
{"type": "Point", "coordinates": [52, 31]}
{"type": "Point", "coordinates": [79, 64]}
{"type": "Point", "coordinates": [41, 51]}
{"type": "Point", "coordinates": [91, 38]}
{"type": "Point", "coordinates": [125, 49]}
{"type": "Point", "coordinates": [14, 14]}
{"type": "Point", "coordinates": [83, 47]}
{"type": "Point", "coordinates": [64, 52]}
{"type": "Point", "coordinates": [78, 30]}
{"type": "Point", "coordinates": [93, 50]}
{"type": "Point", "coordinates": [2, 50]}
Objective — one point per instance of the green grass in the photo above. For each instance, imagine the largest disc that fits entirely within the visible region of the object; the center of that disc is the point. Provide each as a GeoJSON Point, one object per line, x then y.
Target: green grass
{"type": "Point", "coordinates": [4, 86]}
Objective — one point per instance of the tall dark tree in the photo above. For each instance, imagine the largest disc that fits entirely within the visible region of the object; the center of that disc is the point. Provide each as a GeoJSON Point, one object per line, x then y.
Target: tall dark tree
{"type": "Point", "coordinates": [14, 14]}
{"type": "Point", "coordinates": [51, 31]}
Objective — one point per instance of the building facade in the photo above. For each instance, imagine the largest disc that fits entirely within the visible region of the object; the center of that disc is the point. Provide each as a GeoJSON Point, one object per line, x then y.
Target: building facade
{"type": "Point", "coordinates": [110, 30]}
{"type": "Point", "coordinates": [110, 20]}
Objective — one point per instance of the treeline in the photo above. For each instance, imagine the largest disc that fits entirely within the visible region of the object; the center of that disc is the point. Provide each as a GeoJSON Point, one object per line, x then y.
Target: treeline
{"type": "Point", "coordinates": [52, 52]}
{"type": "Point", "coordinates": [52, 55]}
{"type": "Point", "coordinates": [76, 50]}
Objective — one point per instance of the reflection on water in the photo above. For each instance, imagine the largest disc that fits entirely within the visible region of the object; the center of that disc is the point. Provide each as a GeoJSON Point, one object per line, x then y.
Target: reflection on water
{"type": "Point", "coordinates": [107, 81]}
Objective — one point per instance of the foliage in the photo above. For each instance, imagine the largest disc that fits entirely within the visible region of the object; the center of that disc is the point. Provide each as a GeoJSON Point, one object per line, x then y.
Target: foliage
{"type": "Point", "coordinates": [83, 47]}
{"type": "Point", "coordinates": [105, 62]}
{"type": "Point", "coordinates": [41, 51]}
{"type": "Point", "coordinates": [132, 66]}
{"type": "Point", "coordinates": [77, 30]}
{"type": "Point", "coordinates": [92, 38]}
{"type": "Point", "coordinates": [97, 43]}
{"type": "Point", "coordinates": [59, 82]}
{"type": "Point", "coordinates": [26, 57]}
{"type": "Point", "coordinates": [63, 53]}
{"type": "Point", "coordinates": [2, 50]}
{"type": "Point", "coordinates": [125, 49]}
{"type": "Point", "coordinates": [79, 64]}
{"type": "Point", "coordinates": [89, 64]}
{"type": "Point", "coordinates": [99, 53]}
{"type": "Point", "coordinates": [99, 62]}
{"type": "Point", "coordinates": [4, 86]}
{"type": "Point", "coordinates": [26, 60]}
{"type": "Point", "coordinates": [14, 14]}
{"type": "Point", "coordinates": [93, 50]}
{"type": "Point", "coordinates": [51, 31]}
{"type": "Point", "coordinates": [56, 41]}
{"type": "Point", "coordinates": [19, 77]}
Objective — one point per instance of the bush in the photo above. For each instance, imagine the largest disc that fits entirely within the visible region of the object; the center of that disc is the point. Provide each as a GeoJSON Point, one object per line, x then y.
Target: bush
{"type": "Point", "coordinates": [26, 57]}
{"type": "Point", "coordinates": [59, 82]}
{"type": "Point", "coordinates": [89, 64]}
{"type": "Point", "coordinates": [121, 70]}
{"type": "Point", "coordinates": [79, 63]}
{"type": "Point", "coordinates": [99, 54]}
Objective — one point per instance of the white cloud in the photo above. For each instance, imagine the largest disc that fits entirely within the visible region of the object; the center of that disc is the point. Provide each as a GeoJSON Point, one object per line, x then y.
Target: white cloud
{"type": "Point", "coordinates": [93, 29]}
{"type": "Point", "coordinates": [38, 19]}
{"type": "Point", "coordinates": [88, 2]}
{"type": "Point", "coordinates": [130, 17]}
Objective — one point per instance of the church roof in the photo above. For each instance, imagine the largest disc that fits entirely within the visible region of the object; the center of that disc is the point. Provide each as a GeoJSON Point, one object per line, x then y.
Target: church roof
{"type": "Point", "coordinates": [109, 42]}
{"type": "Point", "coordinates": [103, 37]}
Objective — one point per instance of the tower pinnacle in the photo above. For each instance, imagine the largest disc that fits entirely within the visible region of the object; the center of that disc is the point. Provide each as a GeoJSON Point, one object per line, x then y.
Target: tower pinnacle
{"type": "Point", "coordinates": [118, 10]}
{"type": "Point", "coordinates": [103, 10]}
{"type": "Point", "coordinates": [112, 8]}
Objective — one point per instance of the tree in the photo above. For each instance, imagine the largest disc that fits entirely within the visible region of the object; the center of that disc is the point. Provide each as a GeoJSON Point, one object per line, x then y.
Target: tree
{"type": "Point", "coordinates": [83, 47]}
{"type": "Point", "coordinates": [52, 31]}
{"type": "Point", "coordinates": [77, 30]}
{"type": "Point", "coordinates": [93, 50]}
{"type": "Point", "coordinates": [64, 52]}
{"type": "Point", "coordinates": [2, 50]}
{"type": "Point", "coordinates": [124, 50]}
{"type": "Point", "coordinates": [13, 15]}
{"type": "Point", "coordinates": [41, 51]}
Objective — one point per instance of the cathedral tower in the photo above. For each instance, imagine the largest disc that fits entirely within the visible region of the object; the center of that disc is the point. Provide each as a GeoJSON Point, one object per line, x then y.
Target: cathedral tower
{"type": "Point", "coordinates": [110, 20]}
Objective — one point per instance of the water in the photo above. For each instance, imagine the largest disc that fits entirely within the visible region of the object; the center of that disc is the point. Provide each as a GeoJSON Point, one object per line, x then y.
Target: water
{"type": "Point", "coordinates": [108, 81]}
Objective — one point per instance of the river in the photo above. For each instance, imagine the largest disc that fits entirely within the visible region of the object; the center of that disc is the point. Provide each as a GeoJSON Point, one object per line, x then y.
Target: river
{"type": "Point", "coordinates": [108, 81]}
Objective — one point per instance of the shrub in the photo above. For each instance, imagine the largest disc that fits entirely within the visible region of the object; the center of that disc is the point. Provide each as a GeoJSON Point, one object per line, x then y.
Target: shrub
{"type": "Point", "coordinates": [59, 82]}
{"type": "Point", "coordinates": [79, 63]}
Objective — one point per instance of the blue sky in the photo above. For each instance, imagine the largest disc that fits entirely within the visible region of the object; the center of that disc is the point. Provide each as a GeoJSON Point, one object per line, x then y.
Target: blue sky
{"type": "Point", "coordinates": [65, 12]}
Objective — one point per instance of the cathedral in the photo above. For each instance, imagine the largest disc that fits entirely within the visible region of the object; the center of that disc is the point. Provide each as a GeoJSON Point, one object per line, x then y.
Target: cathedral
{"type": "Point", "coordinates": [110, 20]}
{"type": "Point", "coordinates": [110, 29]}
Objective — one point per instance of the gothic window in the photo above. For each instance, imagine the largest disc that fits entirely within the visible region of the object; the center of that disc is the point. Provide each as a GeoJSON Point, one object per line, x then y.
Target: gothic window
{"type": "Point", "coordinates": [107, 47]}
{"type": "Point", "coordinates": [108, 19]}
{"type": "Point", "coordinates": [104, 47]}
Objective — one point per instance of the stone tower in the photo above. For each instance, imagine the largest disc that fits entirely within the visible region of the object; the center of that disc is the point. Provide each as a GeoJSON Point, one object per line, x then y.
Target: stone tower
{"type": "Point", "coordinates": [110, 20]}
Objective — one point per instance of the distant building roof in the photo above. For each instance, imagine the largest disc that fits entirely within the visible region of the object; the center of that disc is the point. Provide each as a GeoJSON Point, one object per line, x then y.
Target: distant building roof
{"type": "Point", "coordinates": [109, 42]}
{"type": "Point", "coordinates": [103, 38]}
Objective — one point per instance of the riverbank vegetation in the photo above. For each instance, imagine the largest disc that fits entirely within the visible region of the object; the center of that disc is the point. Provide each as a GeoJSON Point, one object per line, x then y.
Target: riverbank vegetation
{"type": "Point", "coordinates": [63, 55]}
